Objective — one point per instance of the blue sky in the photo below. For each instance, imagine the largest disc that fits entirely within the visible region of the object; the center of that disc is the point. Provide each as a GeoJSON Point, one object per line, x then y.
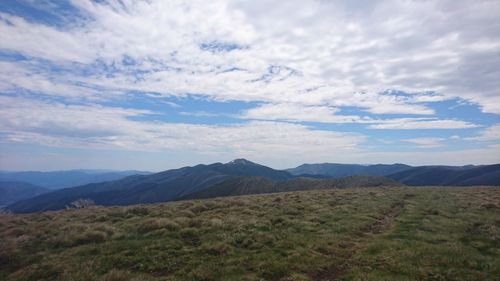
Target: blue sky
{"type": "Point", "coordinates": [153, 85]}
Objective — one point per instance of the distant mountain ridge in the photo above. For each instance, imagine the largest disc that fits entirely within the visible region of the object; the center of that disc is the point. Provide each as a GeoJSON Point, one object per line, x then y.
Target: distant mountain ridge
{"type": "Point", "coordinates": [414, 176]}
{"type": "Point", "coordinates": [240, 177]}
{"type": "Point", "coordinates": [12, 191]}
{"type": "Point", "coordinates": [334, 170]}
{"type": "Point", "coordinates": [159, 187]}
{"type": "Point", "coordinates": [64, 179]}
{"type": "Point", "coordinates": [450, 176]}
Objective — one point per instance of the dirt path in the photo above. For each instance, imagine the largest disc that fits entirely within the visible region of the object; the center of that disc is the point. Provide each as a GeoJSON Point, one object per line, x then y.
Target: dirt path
{"type": "Point", "coordinates": [382, 225]}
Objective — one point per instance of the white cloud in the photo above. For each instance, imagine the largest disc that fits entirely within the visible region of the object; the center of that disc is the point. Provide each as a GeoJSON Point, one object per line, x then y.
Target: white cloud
{"type": "Point", "coordinates": [324, 53]}
{"type": "Point", "coordinates": [95, 127]}
{"type": "Point", "coordinates": [426, 142]}
{"type": "Point", "coordinates": [324, 114]}
{"type": "Point", "coordinates": [299, 60]}
{"type": "Point", "coordinates": [474, 156]}
{"type": "Point", "coordinates": [422, 123]}
{"type": "Point", "coordinates": [296, 112]}
{"type": "Point", "coordinates": [489, 134]}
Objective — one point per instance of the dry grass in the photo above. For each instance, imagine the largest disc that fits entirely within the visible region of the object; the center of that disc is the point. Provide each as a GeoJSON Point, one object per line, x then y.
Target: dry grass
{"type": "Point", "coordinates": [351, 234]}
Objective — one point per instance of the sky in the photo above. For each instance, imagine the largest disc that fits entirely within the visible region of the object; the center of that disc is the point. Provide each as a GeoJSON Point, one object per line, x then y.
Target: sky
{"type": "Point", "coordinates": [159, 84]}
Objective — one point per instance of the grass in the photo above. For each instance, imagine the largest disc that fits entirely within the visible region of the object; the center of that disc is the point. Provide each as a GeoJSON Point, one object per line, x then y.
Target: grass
{"type": "Point", "coordinates": [348, 234]}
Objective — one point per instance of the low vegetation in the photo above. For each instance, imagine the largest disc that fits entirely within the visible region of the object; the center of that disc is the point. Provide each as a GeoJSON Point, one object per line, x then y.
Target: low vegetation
{"type": "Point", "coordinates": [339, 234]}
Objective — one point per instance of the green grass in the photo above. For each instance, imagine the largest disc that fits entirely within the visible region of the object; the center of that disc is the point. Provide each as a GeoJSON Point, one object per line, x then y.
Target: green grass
{"type": "Point", "coordinates": [349, 234]}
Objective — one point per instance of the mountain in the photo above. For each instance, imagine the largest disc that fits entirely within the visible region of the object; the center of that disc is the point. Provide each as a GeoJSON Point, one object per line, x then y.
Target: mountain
{"type": "Point", "coordinates": [449, 176]}
{"type": "Point", "coordinates": [159, 187]}
{"type": "Point", "coordinates": [63, 179]}
{"type": "Point", "coordinates": [258, 185]}
{"type": "Point", "coordinates": [334, 170]}
{"type": "Point", "coordinates": [11, 191]}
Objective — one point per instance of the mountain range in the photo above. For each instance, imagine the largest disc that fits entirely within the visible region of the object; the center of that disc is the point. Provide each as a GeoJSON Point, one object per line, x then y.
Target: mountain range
{"type": "Point", "coordinates": [241, 177]}
{"type": "Point", "coordinates": [334, 170]}
{"type": "Point", "coordinates": [12, 191]}
{"type": "Point", "coordinates": [449, 176]}
{"type": "Point", "coordinates": [159, 187]}
{"type": "Point", "coordinates": [62, 179]}
{"type": "Point", "coordinates": [413, 176]}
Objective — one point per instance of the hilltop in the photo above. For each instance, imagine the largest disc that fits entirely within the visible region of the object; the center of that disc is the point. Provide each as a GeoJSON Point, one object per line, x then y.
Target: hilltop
{"type": "Point", "coordinates": [392, 233]}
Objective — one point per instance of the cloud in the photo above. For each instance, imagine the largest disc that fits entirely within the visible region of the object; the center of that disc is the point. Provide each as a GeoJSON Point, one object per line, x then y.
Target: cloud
{"type": "Point", "coordinates": [489, 134]}
{"type": "Point", "coordinates": [422, 123]}
{"type": "Point", "coordinates": [271, 52]}
{"type": "Point", "coordinates": [325, 114]}
{"type": "Point", "coordinates": [306, 61]}
{"type": "Point", "coordinates": [297, 112]}
{"type": "Point", "coordinates": [95, 127]}
{"type": "Point", "coordinates": [426, 142]}
{"type": "Point", "coordinates": [474, 156]}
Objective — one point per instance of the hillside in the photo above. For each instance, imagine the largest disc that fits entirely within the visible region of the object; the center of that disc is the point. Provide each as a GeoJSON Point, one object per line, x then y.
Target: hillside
{"type": "Point", "coordinates": [159, 187]}
{"type": "Point", "coordinates": [336, 234]}
{"type": "Point", "coordinates": [450, 176]}
{"type": "Point", "coordinates": [257, 185]}
{"type": "Point", "coordinates": [11, 191]}
{"type": "Point", "coordinates": [334, 170]}
{"type": "Point", "coordinates": [416, 176]}
{"type": "Point", "coordinates": [64, 179]}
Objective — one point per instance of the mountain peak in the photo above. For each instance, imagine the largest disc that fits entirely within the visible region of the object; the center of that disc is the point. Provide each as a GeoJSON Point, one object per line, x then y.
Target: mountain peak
{"type": "Point", "coordinates": [241, 161]}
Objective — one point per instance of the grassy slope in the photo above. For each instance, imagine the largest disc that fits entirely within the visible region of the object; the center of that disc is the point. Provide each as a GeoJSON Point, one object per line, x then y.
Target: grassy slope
{"type": "Point", "coordinates": [351, 234]}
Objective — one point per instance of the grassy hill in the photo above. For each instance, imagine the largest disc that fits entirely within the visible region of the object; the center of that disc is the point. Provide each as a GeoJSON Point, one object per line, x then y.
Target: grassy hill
{"type": "Point", "coordinates": [258, 185]}
{"type": "Point", "coordinates": [450, 176]}
{"type": "Point", "coordinates": [336, 234]}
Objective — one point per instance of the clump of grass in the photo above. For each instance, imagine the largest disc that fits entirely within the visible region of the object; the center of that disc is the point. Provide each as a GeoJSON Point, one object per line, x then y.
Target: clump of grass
{"type": "Point", "coordinates": [187, 213]}
{"type": "Point", "coordinates": [157, 223]}
{"type": "Point", "coordinates": [89, 236]}
{"type": "Point", "coordinates": [198, 208]}
{"type": "Point", "coordinates": [216, 248]}
{"type": "Point", "coordinates": [255, 240]}
{"type": "Point", "coordinates": [274, 270]}
{"type": "Point", "coordinates": [279, 221]}
{"type": "Point", "coordinates": [214, 222]}
{"type": "Point", "coordinates": [116, 275]}
{"type": "Point", "coordinates": [190, 236]}
{"type": "Point", "coordinates": [183, 221]}
{"type": "Point", "coordinates": [138, 211]}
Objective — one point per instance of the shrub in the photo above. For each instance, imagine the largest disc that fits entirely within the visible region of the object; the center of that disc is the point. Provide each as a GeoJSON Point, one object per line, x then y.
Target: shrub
{"type": "Point", "coordinates": [278, 221]}
{"type": "Point", "coordinates": [81, 203]}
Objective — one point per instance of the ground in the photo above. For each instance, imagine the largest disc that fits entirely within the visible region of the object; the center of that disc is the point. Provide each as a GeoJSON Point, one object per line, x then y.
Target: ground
{"type": "Point", "coordinates": [343, 234]}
